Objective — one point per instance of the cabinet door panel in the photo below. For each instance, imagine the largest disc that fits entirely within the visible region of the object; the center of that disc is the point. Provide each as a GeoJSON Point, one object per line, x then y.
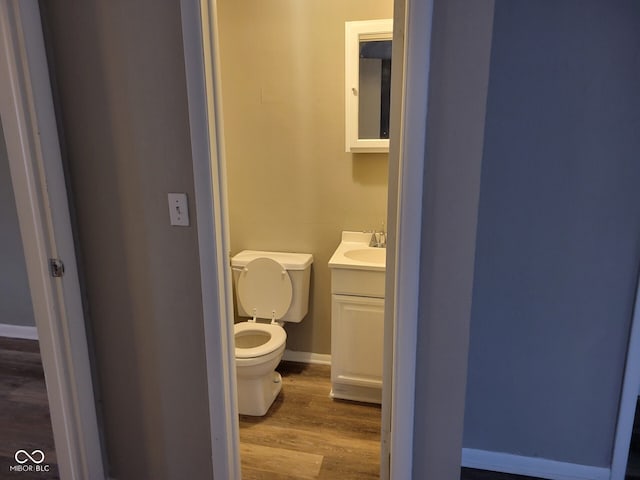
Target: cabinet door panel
{"type": "Point", "coordinates": [356, 351]}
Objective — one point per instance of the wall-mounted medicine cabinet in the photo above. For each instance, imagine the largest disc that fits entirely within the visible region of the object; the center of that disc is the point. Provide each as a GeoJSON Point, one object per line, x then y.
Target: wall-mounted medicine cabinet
{"type": "Point", "coordinates": [367, 85]}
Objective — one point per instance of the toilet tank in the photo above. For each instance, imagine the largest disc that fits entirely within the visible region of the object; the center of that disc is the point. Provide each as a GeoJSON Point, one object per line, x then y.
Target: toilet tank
{"type": "Point", "coordinates": [297, 265]}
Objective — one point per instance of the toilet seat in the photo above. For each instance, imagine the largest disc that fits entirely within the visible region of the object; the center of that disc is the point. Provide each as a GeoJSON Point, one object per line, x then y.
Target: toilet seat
{"type": "Point", "coordinates": [275, 333]}
{"type": "Point", "coordinates": [264, 289]}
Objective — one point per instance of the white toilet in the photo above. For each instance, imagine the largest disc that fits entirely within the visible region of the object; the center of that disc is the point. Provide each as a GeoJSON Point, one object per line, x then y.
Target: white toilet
{"type": "Point", "coordinates": [271, 287]}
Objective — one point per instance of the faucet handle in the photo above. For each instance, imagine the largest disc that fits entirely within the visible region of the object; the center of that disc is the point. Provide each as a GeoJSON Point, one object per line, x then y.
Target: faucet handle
{"type": "Point", "coordinates": [382, 241]}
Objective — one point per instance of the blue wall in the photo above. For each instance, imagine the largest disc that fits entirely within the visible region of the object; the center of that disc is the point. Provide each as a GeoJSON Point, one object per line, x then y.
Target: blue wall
{"type": "Point", "coordinates": [558, 246]}
{"type": "Point", "coordinates": [457, 99]}
{"type": "Point", "coordinates": [15, 297]}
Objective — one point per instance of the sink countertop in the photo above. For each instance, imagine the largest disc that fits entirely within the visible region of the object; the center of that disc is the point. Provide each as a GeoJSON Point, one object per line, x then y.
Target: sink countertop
{"type": "Point", "coordinates": [352, 241]}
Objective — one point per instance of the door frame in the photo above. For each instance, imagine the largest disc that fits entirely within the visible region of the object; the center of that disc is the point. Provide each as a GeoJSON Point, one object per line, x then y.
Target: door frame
{"type": "Point", "coordinates": [26, 109]}
{"type": "Point", "coordinates": [202, 64]}
{"type": "Point", "coordinates": [628, 397]}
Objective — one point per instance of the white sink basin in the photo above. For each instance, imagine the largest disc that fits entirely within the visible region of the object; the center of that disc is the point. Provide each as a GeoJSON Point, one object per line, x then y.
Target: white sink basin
{"type": "Point", "coordinates": [368, 255]}
{"type": "Point", "coordinates": [355, 253]}
{"type": "Point", "coordinates": [356, 268]}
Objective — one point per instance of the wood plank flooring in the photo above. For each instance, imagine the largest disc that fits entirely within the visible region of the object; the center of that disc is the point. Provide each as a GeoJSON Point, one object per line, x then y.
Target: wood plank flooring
{"type": "Point", "coordinates": [305, 434]}
{"type": "Point", "coordinates": [24, 410]}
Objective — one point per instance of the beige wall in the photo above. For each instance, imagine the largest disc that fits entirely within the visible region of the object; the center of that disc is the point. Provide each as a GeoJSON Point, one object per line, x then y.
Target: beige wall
{"type": "Point", "coordinates": [120, 81]}
{"type": "Point", "coordinates": [292, 187]}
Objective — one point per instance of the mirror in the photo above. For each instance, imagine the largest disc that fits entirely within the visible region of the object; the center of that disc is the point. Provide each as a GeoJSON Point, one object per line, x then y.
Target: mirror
{"type": "Point", "coordinates": [375, 89]}
{"type": "Point", "coordinates": [368, 85]}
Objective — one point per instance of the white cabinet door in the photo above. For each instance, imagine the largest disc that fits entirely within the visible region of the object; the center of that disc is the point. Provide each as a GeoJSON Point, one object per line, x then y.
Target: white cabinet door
{"type": "Point", "coordinates": [356, 341]}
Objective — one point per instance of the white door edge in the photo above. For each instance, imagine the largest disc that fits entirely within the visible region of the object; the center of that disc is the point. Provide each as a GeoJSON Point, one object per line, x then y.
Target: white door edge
{"type": "Point", "coordinates": [199, 32]}
{"type": "Point", "coordinates": [412, 138]}
{"type": "Point", "coordinates": [26, 108]}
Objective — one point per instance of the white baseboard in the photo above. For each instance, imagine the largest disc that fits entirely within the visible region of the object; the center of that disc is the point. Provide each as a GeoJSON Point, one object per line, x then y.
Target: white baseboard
{"type": "Point", "coordinates": [307, 357]}
{"type": "Point", "coordinates": [18, 331]}
{"type": "Point", "coordinates": [531, 466]}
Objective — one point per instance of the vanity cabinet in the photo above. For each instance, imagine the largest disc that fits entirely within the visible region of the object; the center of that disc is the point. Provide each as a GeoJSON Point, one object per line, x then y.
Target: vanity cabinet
{"type": "Point", "coordinates": [357, 318]}
{"type": "Point", "coordinates": [356, 347]}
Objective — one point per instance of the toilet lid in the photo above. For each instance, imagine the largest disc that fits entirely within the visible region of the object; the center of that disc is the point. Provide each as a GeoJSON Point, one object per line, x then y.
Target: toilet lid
{"type": "Point", "coordinates": [264, 287]}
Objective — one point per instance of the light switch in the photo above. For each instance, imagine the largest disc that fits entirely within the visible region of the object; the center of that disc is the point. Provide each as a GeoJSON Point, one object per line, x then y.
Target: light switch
{"type": "Point", "coordinates": [178, 209]}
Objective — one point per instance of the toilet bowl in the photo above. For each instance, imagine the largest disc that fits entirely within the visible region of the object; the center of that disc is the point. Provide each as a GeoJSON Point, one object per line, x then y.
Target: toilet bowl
{"type": "Point", "coordinates": [271, 287]}
{"type": "Point", "coordinates": [259, 349]}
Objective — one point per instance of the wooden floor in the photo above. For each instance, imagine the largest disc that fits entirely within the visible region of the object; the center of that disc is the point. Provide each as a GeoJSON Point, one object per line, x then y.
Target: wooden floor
{"type": "Point", "coordinates": [305, 434]}
{"type": "Point", "coordinates": [24, 411]}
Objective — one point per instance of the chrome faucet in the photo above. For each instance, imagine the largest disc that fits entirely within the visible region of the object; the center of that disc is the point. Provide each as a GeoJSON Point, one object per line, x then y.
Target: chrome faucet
{"type": "Point", "coordinates": [378, 239]}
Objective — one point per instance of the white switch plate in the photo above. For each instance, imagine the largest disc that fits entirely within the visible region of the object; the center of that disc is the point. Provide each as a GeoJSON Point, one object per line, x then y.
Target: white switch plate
{"type": "Point", "coordinates": [178, 209]}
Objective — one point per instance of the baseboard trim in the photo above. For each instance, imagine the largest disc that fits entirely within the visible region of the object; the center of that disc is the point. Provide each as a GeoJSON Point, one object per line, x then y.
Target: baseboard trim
{"type": "Point", "coordinates": [531, 466]}
{"type": "Point", "coordinates": [307, 357]}
{"type": "Point", "coordinates": [18, 331]}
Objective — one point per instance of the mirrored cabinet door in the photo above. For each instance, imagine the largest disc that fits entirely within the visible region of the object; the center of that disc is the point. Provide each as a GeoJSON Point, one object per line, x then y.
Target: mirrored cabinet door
{"type": "Point", "coordinates": [367, 85]}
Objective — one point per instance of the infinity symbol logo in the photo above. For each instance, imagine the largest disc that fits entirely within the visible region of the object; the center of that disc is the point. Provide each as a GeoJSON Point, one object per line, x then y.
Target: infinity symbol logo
{"type": "Point", "coordinates": [21, 454]}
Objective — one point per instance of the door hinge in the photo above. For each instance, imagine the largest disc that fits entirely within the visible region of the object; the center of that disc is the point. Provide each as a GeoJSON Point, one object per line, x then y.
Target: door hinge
{"type": "Point", "coordinates": [56, 267]}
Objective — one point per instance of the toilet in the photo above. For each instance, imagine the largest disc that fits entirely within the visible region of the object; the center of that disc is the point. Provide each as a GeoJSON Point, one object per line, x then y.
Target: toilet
{"type": "Point", "coordinates": [272, 288]}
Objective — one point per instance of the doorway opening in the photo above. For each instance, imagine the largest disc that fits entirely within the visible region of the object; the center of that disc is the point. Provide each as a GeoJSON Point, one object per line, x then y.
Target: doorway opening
{"type": "Point", "coordinates": [292, 188]}
{"type": "Point", "coordinates": [200, 35]}
{"type": "Point", "coordinates": [39, 191]}
{"type": "Point", "coordinates": [633, 462]}
{"type": "Point", "coordinates": [23, 393]}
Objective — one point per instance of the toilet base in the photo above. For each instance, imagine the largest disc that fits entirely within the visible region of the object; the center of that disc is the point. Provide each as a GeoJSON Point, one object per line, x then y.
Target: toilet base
{"type": "Point", "coordinates": [256, 394]}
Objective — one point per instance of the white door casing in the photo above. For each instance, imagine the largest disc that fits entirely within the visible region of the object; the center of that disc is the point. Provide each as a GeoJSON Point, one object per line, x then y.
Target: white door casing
{"type": "Point", "coordinates": [202, 65]}
{"type": "Point", "coordinates": [200, 40]}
